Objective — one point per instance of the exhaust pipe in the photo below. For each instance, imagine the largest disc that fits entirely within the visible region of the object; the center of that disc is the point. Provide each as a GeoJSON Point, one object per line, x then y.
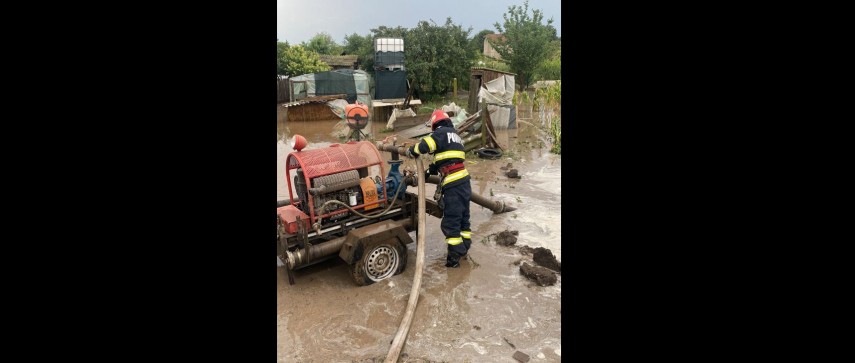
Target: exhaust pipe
{"type": "Point", "coordinates": [302, 257]}
{"type": "Point", "coordinates": [314, 253]}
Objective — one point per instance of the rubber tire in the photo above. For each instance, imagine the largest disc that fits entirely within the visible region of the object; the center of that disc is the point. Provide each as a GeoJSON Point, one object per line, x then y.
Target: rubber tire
{"type": "Point", "coordinates": [357, 270]}
{"type": "Point", "coordinates": [489, 154]}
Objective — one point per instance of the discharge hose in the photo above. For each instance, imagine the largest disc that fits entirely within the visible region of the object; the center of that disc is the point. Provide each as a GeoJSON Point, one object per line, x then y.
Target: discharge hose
{"type": "Point", "coordinates": [400, 338]}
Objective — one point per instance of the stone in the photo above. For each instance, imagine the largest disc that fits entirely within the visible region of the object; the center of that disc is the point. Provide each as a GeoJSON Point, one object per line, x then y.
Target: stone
{"type": "Point", "coordinates": [544, 257]}
{"type": "Point", "coordinates": [540, 275]}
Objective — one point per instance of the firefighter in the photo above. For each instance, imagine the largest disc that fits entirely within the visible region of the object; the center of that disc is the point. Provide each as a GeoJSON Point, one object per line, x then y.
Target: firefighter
{"type": "Point", "coordinates": [454, 190]}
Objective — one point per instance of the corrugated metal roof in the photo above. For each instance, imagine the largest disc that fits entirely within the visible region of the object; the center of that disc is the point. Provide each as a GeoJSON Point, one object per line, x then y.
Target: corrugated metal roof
{"type": "Point", "coordinates": [491, 70]}
{"type": "Point", "coordinates": [339, 60]}
{"type": "Point", "coordinates": [316, 99]}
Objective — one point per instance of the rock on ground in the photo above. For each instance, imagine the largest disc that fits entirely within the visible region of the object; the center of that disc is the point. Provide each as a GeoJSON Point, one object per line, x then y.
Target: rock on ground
{"type": "Point", "coordinates": [544, 257]}
{"type": "Point", "coordinates": [507, 238]}
{"type": "Point", "coordinates": [521, 357]}
{"type": "Point", "coordinates": [541, 275]}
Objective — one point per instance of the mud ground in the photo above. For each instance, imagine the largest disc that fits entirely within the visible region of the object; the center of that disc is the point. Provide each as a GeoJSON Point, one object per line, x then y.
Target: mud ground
{"type": "Point", "coordinates": [483, 311]}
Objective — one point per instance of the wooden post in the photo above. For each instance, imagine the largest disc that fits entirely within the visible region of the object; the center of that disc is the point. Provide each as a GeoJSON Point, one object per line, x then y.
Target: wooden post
{"type": "Point", "coordinates": [454, 85]}
{"type": "Point", "coordinates": [483, 123]}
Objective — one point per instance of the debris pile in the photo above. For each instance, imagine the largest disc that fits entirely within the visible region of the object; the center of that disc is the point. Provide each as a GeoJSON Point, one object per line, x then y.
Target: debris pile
{"type": "Point", "coordinates": [510, 172]}
{"type": "Point", "coordinates": [541, 275]}
{"type": "Point", "coordinates": [507, 238]}
{"type": "Point", "coordinates": [545, 258]}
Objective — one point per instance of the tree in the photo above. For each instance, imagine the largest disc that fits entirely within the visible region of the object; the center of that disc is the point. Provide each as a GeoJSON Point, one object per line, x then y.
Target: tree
{"type": "Point", "coordinates": [323, 43]}
{"type": "Point", "coordinates": [296, 60]}
{"type": "Point", "coordinates": [363, 48]}
{"type": "Point", "coordinates": [527, 42]}
{"type": "Point", "coordinates": [550, 69]}
{"type": "Point", "coordinates": [437, 54]}
{"type": "Point", "coordinates": [280, 49]}
{"type": "Point", "coordinates": [387, 32]}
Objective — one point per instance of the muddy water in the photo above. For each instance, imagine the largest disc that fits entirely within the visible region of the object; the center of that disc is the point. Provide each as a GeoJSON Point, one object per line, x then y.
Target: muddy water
{"type": "Point", "coordinates": [474, 313]}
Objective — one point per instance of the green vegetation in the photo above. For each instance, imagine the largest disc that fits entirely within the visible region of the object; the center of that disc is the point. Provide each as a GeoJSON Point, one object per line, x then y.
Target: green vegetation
{"type": "Point", "coordinates": [547, 102]}
{"type": "Point", "coordinates": [435, 55]}
{"type": "Point", "coordinates": [550, 69]}
{"type": "Point", "coordinates": [296, 60]}
{"type": "Point", "coordinates": [527, 41]}
{"type": "Point", "coordinates": [438, 53]}
{"type": "Point", "coordinates": [323, 43]}
{"type": "Point", "coordinates": [487, 62]}
{"type": "Point", "coordinates": [555, 133]}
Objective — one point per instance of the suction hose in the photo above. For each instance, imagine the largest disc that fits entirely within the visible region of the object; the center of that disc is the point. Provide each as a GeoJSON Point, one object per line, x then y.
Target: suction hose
{"type": "Point", "coordinates": [398, 342]}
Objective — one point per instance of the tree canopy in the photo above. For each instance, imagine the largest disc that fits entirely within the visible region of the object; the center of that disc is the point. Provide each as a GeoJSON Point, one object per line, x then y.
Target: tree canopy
{"type": "Point", "coordinates": [296, 60]}
{"type": "Point", "coordinates": [437, 54]}
{"type": "Point", "coordinates": [363, 47]}
{"type": "Point", "coordinates": [323, 43]}
{"type": "Point", "coordinates": [527, 41]}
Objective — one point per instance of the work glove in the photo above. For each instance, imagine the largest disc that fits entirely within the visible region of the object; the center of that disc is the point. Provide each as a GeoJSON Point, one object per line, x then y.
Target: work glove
{"type": "Point", "coordinates": [432, 170]}
{"type": "Point", "coordinates": [409, 153]}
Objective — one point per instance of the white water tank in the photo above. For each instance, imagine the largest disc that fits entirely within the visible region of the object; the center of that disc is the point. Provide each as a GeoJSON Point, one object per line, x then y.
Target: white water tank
{"type": "Point", "coordinates": [388, 45]}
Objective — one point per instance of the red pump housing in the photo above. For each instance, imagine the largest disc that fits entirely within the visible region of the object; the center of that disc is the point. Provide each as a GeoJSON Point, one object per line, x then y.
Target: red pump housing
{"type": "Point", "coordinates": [334, 172]}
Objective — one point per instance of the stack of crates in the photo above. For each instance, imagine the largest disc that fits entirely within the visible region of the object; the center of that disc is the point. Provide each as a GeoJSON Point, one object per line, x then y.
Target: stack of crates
{"type": "Point", "coordinates": [389, 72]}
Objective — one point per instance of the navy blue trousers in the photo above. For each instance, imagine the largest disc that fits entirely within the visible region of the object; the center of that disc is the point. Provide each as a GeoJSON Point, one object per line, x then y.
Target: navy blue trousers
{"type": "Point", "coordinates": [455, 217]}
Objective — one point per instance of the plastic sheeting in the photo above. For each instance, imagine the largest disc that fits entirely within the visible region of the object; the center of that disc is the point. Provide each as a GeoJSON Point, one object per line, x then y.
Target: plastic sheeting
{"type": "Point", "coordinates": [499, 95]}
{"type": "Point", "coordinates": [337, 107]}
{"type": "Point", "coordinates": [354, 83]}
{"type": "Point", "coordinates": [398, 113]}
{"type": "Point", "coordinates": [390, 84]}
{"type": "Point", "coordinates": [459, 113]}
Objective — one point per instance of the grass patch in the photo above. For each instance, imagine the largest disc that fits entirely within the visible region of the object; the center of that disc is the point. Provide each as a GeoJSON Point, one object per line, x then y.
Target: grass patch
{"type": "Point", "coordinates": [555, 134]}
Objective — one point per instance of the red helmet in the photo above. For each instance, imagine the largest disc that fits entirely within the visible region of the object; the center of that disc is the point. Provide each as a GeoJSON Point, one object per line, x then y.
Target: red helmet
{"type": "Point", "coordinates": [437, 116]}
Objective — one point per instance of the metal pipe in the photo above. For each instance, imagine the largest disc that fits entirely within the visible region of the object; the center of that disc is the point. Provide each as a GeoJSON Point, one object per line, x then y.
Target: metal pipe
{"type": "Point", "coordinates": [298, 258]}
{"type": "Point", "coordinates": [496, 207]}
{"type": "Point", "coordinates": [301, 257]}
{"type": "Point", "coordinates": [391, 148]}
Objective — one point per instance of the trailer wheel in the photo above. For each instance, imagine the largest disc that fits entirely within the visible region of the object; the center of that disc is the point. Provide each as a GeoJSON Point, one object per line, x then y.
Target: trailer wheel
{"type": "Point", "coordinates": [379, 262]}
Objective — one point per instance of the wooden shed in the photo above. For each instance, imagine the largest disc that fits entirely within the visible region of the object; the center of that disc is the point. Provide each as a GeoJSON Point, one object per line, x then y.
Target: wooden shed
{"type": "Point", "coordinates": [477, 77]}
{"type": "Point", "coordinates": [311, 108]}
{"type": "Point", "coordinates": [339, 61]}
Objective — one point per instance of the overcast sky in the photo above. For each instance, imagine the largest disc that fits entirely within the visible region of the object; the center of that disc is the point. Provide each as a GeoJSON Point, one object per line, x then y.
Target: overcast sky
{"type": "Point", "coordinates": [299, 20]}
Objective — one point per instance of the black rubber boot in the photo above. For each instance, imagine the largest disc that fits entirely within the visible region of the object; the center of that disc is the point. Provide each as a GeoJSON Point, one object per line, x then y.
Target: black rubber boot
{"type": "Point", "coordinates": [454, 254]}
{"type": "Point", "coordinates": [452, 260]}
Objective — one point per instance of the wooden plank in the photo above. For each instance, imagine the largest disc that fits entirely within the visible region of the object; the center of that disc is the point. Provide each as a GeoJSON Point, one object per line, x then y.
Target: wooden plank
{"type": "Point", "coordinates": [414, 132]}
{"type": "Point", "coordinates": [398, 102]}
{"type": "Point", "coordinates": [402, 123]}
